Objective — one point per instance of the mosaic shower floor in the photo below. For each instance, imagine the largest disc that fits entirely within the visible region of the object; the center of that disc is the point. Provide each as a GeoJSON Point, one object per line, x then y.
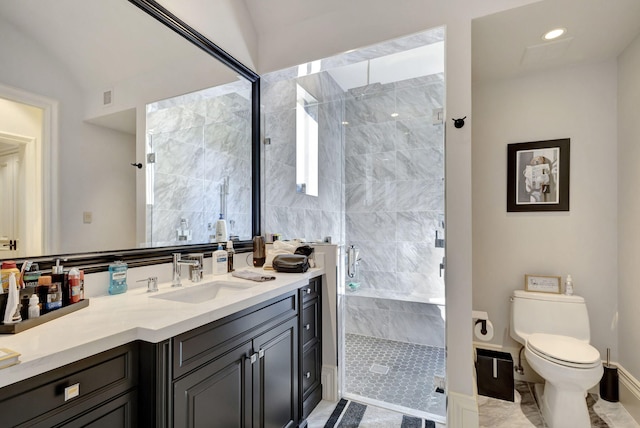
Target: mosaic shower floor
{"type": "Point", "coordinates": [398, 373]}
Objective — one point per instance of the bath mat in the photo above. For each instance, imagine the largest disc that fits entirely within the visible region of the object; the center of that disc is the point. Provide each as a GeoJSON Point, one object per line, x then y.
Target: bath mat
{"type": "Point", "coordinates": [350, 414]}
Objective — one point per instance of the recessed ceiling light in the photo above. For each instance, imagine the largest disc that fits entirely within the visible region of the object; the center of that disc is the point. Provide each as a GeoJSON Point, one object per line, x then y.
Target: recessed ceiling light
{"type": "Point", "coordinates": [554, 34]}
{"type": "Point", "coordinates": [395, 114]}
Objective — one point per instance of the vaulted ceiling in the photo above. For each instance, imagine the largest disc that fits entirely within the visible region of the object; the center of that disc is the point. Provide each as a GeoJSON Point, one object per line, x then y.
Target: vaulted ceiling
{"type": "Point", "coordinates": [106, 44]}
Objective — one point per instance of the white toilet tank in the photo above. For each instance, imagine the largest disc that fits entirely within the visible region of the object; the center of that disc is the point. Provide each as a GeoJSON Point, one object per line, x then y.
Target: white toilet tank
{"type": "Point", "coordinates": [549, 313]}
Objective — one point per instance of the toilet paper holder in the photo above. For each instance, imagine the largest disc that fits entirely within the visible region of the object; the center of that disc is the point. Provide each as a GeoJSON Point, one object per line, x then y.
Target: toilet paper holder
{"type": "Point", "coordinates": [481, 317]}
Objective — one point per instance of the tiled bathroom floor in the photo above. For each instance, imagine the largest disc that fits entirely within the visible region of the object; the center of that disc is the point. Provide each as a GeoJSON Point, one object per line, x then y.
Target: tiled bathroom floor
{"type": "Point", "coordinates": [525, 413]}
{"type": "Point", "coordinates": [398, 373]}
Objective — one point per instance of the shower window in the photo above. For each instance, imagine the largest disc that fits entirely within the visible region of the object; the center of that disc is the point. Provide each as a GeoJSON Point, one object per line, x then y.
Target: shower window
{"type": "Point", "coordinates": [306, 142]}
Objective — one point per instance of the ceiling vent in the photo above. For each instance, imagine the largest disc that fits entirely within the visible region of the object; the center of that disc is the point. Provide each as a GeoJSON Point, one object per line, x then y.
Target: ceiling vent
{"type": "Point", "coordinates": [545, 52]}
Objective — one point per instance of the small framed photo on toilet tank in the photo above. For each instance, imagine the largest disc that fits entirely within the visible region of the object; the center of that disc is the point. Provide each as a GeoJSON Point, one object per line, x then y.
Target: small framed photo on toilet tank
{"type": "Point", "coordinates": [542, 283]}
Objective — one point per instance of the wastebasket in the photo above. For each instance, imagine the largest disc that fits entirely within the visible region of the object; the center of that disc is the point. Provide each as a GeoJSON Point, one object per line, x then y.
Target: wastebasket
{"type": "Point", "coordinates": [494, 374]}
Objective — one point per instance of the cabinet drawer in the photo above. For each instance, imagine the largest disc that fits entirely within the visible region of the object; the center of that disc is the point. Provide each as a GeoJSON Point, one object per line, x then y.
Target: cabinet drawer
{"type": "Point", "coordinates": [310, 324]}
{"type": "Point", "coordinates": [310, 370]}
{"type": "Point", "coordinates": [121, 412]}
{"type": "Point", "coordinates": [312, 290]}
{"type": "Point", "coordinates": [196, 347]}
{"type": "Point", "coordinates": [88, 381]}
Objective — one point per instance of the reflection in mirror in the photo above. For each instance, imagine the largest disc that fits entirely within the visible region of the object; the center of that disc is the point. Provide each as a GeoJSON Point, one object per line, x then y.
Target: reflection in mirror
{"type": "Point", "coordinates": [199, 145]}
{"type": "Point", "coordinates": [92, 79]}
{"type": "Point", "coordinates": [20, 192]}
{"type": "Point", "coordinates": [306, 142]}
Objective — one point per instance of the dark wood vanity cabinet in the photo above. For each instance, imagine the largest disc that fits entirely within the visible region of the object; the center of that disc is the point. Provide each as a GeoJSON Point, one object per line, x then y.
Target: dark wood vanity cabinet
{"type": "Point", "coordinates": [257, 368]}
{"type": "Point", "coordinates": [99, 391]}
{"type": "Point", "coordinates": [310, 346]}
{"type": "Point", "coordinates": [240, 371]}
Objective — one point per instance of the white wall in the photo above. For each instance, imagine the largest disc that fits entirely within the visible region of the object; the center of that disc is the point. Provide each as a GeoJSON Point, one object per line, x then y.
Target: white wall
{"type": "Point", "coordinates": [629, 207]}
{"type": "Point", "coordinates": [79, 177]}
{"type": "Point", "coordinates": [578, 103]}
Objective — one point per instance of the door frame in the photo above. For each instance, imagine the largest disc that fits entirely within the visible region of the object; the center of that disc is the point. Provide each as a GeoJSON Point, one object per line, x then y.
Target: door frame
{"type": "Point", "coordinates": [47, 147]}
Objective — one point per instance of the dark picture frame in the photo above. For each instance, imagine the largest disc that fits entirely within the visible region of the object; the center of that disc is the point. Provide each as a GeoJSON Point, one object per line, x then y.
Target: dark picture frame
{"type": "Point", "coordinates": [538, 176]}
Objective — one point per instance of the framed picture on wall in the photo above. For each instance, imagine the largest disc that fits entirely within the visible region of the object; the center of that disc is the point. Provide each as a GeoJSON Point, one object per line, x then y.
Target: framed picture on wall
{"type": "Point", "coordinates": [542, 283]}
{"type": "Point", "coordinates": [538, 176]}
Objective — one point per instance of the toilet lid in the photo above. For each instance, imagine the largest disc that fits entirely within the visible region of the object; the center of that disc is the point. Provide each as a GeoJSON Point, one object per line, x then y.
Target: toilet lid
{"type": "Point", "coordinates": [564, 350]}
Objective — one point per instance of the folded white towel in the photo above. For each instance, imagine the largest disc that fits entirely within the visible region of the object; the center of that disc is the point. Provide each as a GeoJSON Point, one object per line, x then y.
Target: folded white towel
{"type": "Point", "coordinates": [253, 276]}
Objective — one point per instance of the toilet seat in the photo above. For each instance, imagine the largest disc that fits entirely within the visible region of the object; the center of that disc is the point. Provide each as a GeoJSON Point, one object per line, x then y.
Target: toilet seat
{"type": "Point", "coordinates": [564, 350]}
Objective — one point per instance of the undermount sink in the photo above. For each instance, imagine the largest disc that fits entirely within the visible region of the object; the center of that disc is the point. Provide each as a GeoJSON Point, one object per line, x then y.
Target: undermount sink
{"type": "Point", "coordinates": [204, 292]}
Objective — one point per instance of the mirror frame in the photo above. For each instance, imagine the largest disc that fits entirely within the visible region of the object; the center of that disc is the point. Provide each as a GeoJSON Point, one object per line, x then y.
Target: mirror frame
{"type": "Point", "coordinates": [99, 261]}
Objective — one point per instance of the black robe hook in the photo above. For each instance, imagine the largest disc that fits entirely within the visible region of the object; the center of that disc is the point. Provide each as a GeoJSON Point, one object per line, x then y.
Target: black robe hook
{"type": "Point", "coordinates": [137, 165]}
{"type": "Point", "coordinates": [459, 123]}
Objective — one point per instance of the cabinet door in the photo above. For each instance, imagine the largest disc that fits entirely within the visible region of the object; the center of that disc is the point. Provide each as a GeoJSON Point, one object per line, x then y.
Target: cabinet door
{"type": "Point", "coordinates": [216, 395]}
{"type": "Point", "coordinates": [275, 377]}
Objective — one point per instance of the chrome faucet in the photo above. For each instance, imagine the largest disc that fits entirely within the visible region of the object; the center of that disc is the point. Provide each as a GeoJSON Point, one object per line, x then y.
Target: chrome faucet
{"type": "Point", "coordinates": [177, 264]}
{"type": "Point", "coordinates": [152, 284]}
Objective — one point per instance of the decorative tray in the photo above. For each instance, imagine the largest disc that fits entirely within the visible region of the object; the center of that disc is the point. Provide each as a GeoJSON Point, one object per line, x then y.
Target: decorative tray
{"type": "Point", "coordinates": [27, 324]}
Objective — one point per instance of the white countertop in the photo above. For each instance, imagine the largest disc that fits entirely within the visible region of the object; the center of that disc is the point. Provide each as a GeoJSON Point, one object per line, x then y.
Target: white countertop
{"type": "Point", "coordinates": [111, 321]}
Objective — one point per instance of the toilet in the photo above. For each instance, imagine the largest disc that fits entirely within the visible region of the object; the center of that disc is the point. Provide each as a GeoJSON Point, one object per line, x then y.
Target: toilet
{"type": "Point", "coordinates": [554, 330]}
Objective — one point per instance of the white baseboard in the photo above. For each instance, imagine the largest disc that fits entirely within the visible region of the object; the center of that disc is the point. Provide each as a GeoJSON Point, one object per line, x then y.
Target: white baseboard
{"type": "Point", "coordinates": [629, 392]}
{"type": "Point", "coordinates": [462, 411]}
{"type": "Point", "coordinates": [329, 380]}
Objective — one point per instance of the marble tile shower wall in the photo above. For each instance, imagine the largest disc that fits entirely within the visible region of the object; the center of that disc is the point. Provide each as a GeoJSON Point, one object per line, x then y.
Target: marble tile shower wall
{"type": "Point", "coordinates": [394, 163]}
{"type": "Point", "coordinates": [395, 186]}
{"type": "Point", "coordinates": [292, 214]}
{"type": "Point", "coordinates": [198, 141]}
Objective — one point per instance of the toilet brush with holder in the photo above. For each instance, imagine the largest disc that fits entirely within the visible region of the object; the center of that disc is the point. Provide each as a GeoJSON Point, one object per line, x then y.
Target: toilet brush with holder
{"type": "Point", "coordinates": [609, 383]}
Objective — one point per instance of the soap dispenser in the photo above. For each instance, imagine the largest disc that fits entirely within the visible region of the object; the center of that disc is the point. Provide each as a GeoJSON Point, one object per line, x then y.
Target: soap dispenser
{"type": "Point", "coordinates": [568, 287]}
{"type": "Point", "coordinates": [219, 261]}
{"type": "Point", "coordinates": [221, 229]}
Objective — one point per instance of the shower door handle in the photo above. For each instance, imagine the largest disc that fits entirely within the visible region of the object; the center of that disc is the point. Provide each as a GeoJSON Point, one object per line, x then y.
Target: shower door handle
{"type": "Point", "coordinates": [442, 267]}
{"type": "Point", "coordinates": [352, 261]}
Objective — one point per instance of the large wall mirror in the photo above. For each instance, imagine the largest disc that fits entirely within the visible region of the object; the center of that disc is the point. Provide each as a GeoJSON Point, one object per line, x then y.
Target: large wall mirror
{"type": "Point", "coordinates": [118, 133]}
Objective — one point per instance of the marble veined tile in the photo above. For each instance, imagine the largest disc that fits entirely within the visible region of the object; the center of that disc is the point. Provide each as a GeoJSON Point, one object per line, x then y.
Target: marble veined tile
{"type": "Point", "coordinates": [370, 138]}
{"type": "Point", "coordinates": [419, 165]}
{"type": "Point", "coordinates": [366, 321]}
{"type": "Point", "coordinates": [355, 169]}
{"type": "Point", "coordinates": [222, 138]}
{"type": "Point", "coordinates": [370, 196]}
{"type": "Point", "coordinates": [420, 195]}
{"type": "Point", "coordinates": [614, 415]}
{"type": "Point", "coordinates": [376, 257]}
{"type": "Point", "coordinates": [386, 48]}
{"type": "Point", "coordinates": [419, 226]}
{"type": "Point", "coordinates": [227, 107]}
{"type": "Point", "coordinates": [192, 136]}
{"type": "Point", "coordinates": [375, 281]}
{"type": "Point", "coordinates": [418, 101]}
{"type": "Point", "coordinates": [174, 118]}
{"type": "Point", "coordinates": [428, 285]}
{"type": "Point", "coordinates": [277, 95]}
{"type": "Point", "coordinates": [416, 328]}
{"type": "Point", "coordinates": [178, 192]}
{"type": "Point", "coordinates": [165, 223]}
{"type": "Point", "coordinates": [360, 225]}
{"type": "Point", "coordinates": [285, 220]}
{"type": "Point", "coordinates": [180, 159]}
{"type": "Point", "coordinates": [375, 108]}
{"type": "Point", "coordinates": [420, 133]}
